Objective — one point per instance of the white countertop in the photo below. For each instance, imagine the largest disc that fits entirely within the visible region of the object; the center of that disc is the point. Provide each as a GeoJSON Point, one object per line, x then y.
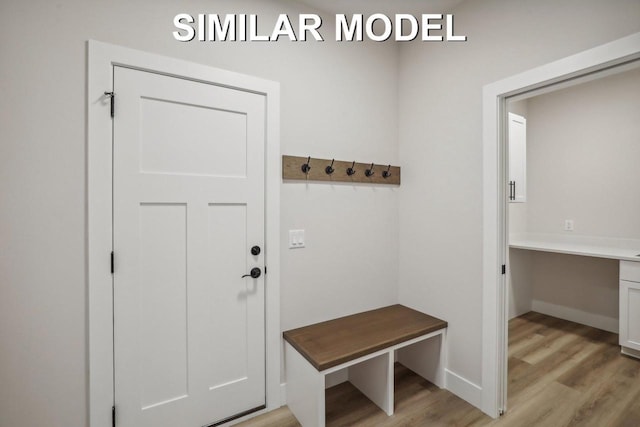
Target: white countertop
{"type": "Point", "coordinates": [600, 247]}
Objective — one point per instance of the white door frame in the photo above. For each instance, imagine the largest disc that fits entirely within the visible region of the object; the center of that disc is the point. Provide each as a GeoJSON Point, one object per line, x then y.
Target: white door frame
{"type": "Point", "coordinates": [102, 58]}
{"type": "Point", "coordinates": [494, 246]}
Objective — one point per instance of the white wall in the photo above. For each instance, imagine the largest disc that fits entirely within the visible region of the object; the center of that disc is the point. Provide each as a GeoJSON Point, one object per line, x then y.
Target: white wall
{"type": "Point", "coordinates": [441, 144]}
{"type": "Point", "coordinates": [583, 153]}
{"type": "Point", "coordinates": [577, 288]}
{"type": "Point", "coordinates": [338, 100]}
{"type": "Point", "coordinates": [519, 279]}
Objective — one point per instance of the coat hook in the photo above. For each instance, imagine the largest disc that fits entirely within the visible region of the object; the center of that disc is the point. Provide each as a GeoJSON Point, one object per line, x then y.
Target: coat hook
{"type": "Point", "coordinates": [351, 170]}
{"type": "Point", "coordinates": [329, 169]}
{"type": "Point", "coordinates": [306, 168]}
{"type": "Point", "coordinates": [386, 174]}
{"type": "Point", "coordinates": [369, 172]}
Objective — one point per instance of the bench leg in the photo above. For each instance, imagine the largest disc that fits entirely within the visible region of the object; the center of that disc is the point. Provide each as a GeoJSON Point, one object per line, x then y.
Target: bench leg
{"type": "Point", "coordinates": [426, 358]}
{"type": "Point", "coordinates": [374, 378]}
{"type": "Point", "coordinates": [305, 389]}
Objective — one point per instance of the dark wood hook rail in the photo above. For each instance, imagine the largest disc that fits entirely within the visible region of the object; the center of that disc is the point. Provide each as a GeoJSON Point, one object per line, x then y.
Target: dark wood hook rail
{"type": "Point", "coordinates": [318, 170]}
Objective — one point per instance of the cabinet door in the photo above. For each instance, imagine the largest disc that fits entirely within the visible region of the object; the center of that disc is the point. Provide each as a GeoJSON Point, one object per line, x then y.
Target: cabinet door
{"type": "Point", "coordinates": [517, 158]}
{"type": "Point", "coordinates": [630, 314]}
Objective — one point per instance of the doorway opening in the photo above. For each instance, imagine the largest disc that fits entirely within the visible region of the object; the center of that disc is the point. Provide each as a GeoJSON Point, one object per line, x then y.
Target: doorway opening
{"type": "Point", "coordinates": [569, 175]}
{"type": "Point", "coordinates": [572, 154]}
{"type": "Point", "coordinates": [589, 65]}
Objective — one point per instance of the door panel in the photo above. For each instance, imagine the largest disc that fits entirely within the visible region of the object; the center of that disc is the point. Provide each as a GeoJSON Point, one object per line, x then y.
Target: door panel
{"type": "Point", "coordinates": [227, 251]}
{"type": "Point", "coordinates": [188, 205]}
{"type": "Point", "coordinates": [222, 151]}
{"type": "Point", "coordinates": [163, 304]}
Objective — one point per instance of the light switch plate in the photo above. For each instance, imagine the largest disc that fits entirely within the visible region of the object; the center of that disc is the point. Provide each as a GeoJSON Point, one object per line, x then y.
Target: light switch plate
{"type": "Point", "coordinates": [296, 239]}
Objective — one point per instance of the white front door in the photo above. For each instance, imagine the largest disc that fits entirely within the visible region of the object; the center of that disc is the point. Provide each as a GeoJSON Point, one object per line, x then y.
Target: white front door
{"type": "Point", "coordinates": [188, 206]}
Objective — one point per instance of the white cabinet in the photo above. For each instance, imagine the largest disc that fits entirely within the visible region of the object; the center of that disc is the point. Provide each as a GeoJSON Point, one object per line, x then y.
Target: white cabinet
{"type": "Point", "coordinates": [517, 138]}
{"type": "Point", "coordinates": [630, 307]}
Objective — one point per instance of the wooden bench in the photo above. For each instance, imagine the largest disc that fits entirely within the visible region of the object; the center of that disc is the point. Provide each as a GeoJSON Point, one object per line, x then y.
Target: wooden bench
{"type": "Point", "coordinates": [367, 345]}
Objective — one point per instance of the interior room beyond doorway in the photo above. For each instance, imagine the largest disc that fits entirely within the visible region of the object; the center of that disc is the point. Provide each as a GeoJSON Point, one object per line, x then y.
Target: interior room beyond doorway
{"type": "Point", "coordinates": [572, 229]}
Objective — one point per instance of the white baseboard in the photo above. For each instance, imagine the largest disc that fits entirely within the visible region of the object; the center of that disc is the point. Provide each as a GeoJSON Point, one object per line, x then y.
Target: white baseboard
{"type": "Point", "coordinates": [574, 315]}
{"type": "Point", "coordinates": [463, 388]}
{"type": "Point", "coordinates": [283, 394]}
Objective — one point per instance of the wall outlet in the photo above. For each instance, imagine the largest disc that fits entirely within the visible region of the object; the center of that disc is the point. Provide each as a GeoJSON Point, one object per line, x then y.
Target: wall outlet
{"type": "Point", "coordinates": [296, 239]}
{"type": "Point", "coordinates": [568, 225]}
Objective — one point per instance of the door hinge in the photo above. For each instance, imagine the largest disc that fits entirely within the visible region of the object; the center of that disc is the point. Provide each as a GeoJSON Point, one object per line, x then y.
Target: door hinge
{"type": "Point", "coordinates": [504, 269]}
{"type": "Point", "coordinates": [112, 98]}
{"type": "Point", "coordinates": [112, 263]}
{"type": "Point", "coordinates": [113, 416]}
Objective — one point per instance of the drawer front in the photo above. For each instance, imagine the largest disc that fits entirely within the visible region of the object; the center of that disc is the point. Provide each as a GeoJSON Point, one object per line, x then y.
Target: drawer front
{"type": "Point", "coordinates": [630, 270]}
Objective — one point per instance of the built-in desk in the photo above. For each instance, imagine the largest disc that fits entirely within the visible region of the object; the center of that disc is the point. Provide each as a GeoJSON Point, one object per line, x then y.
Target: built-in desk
{"type": "Point", "coordinates": [600, 247]}
{"type": "Point", "coordinates": [627, 251]}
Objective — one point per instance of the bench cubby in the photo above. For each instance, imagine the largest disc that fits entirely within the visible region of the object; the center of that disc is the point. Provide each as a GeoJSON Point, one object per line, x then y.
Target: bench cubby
{"type": "Point", "coordinates": [366, 345]}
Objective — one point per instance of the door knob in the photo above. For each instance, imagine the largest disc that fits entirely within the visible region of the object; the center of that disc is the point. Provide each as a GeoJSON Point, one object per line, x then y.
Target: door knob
{"type": "Point", "coordinates": [255, 273]}
{"type": "Point", "coordinates": [255, 250]}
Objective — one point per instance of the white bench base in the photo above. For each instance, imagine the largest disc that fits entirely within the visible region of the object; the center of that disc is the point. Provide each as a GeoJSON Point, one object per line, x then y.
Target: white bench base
{"type": "Point", "coordinates": [371, 374]}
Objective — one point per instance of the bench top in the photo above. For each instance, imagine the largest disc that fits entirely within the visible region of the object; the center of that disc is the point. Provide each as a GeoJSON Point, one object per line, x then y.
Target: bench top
{"type": "Point", "coordinates": [331, 343]}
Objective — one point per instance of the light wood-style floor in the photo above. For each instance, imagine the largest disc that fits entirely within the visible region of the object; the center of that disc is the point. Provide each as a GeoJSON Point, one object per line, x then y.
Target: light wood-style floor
{"type": "Point", "coordinates": [560, 374]}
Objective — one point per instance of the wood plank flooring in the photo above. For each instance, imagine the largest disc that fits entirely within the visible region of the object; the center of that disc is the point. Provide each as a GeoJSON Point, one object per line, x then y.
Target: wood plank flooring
{"type": "Point", "coordinates": [560, 374]}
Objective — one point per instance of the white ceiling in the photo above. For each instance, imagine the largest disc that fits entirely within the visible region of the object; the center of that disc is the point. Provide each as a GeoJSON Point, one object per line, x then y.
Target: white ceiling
{"type": "Point", "coordinates": [388, 7]}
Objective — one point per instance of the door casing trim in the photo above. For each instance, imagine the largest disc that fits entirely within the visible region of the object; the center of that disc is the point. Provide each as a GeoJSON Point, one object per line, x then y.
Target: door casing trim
{"type": "Point", "coordinates": [102, 57]}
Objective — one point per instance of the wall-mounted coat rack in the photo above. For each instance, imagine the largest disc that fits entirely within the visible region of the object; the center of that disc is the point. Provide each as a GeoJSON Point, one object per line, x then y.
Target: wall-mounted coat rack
{"type": "Point", "coordinates": [312, 169]}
